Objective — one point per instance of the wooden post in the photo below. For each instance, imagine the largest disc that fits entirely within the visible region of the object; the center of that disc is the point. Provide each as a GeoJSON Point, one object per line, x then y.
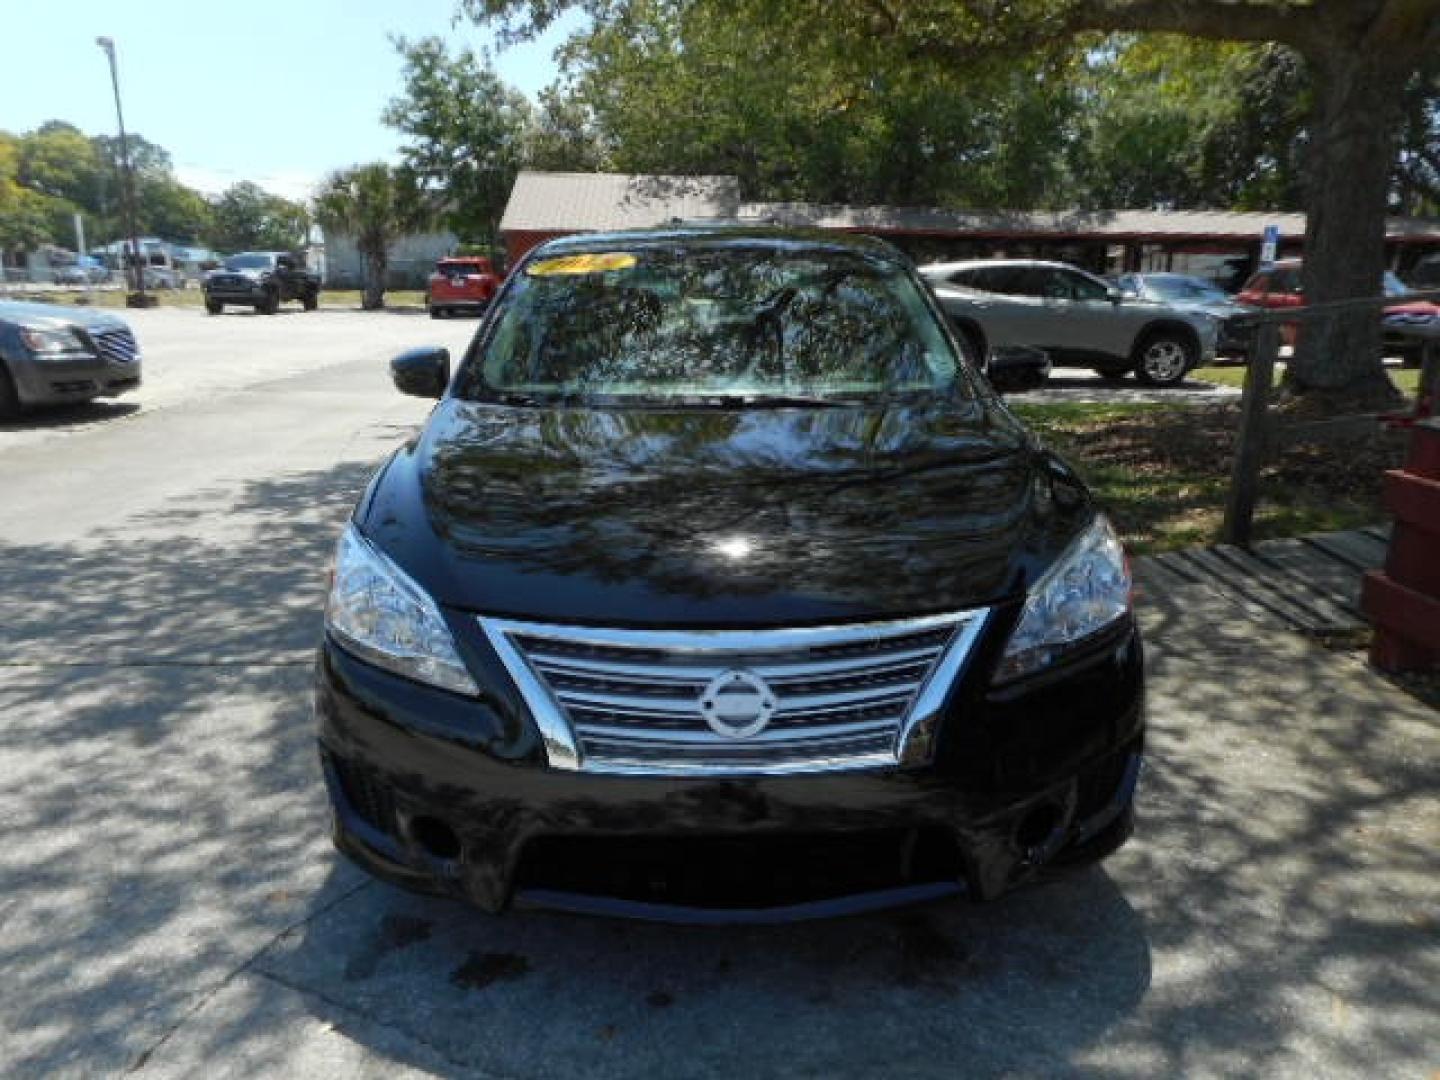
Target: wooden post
{"type": "Point", "coordinates": [1429, 388]}
{"type": "Point", "coordinates": [1253, 437]}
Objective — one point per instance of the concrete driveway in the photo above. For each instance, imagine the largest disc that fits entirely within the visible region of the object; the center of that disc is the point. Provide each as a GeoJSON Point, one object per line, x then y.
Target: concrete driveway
{"type": "Point", "coordinates": [169, 903]}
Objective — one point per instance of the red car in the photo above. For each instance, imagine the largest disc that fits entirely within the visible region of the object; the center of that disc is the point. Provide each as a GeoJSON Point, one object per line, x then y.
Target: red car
{"type": "Point", "coordinates": [1279, 287]}
{"type": "Point", "coordinates": [461, 283]}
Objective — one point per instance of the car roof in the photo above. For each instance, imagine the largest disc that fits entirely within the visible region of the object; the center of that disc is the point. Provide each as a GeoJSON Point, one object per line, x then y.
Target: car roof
{"type": "Point", "coordinates": [710, 236]}
{"type": "Point", "coordinates": [971, 264]}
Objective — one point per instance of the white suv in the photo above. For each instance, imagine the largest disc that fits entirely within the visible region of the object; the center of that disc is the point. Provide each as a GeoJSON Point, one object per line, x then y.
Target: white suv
{"type": "Point", "coordinates": [1076, 317]}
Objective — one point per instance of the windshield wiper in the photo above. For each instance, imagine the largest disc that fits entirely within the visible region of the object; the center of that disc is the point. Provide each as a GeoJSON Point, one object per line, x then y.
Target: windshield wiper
{"type": "Point", "coordinates": [787, 401]}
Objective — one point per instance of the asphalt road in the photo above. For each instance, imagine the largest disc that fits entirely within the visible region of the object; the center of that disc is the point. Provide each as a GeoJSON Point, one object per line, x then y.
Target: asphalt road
{"type": "Point", "coordinates": [169, 903]}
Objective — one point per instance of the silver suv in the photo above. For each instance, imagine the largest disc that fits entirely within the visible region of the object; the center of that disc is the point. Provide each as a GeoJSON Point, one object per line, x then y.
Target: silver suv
{"type": "Point", "coordinates": [1076, 317]}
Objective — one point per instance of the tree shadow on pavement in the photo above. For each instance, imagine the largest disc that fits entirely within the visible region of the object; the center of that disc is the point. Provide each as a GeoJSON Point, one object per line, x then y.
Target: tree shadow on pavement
{"type": "Point", "coordinates": [71, 417]}
{"type": "Point", "coordinates": [166, 877]}
{"type": "Point", "coordinates": [161, 804]}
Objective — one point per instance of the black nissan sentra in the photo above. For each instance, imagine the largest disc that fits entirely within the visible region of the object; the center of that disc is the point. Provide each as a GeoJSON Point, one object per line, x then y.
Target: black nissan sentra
{"type": "Point", "coordinates": [720, 587]}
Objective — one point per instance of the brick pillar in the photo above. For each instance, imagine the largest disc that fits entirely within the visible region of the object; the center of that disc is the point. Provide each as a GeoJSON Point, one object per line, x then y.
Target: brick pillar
{"type": "Point", "coordinates": [1403, 600]}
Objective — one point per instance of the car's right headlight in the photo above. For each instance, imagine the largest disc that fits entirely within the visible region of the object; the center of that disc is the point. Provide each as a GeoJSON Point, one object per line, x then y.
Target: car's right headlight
{"type": "Point", "coordinates": [377, 612]}
{"type": "Point", "coordinates": [1086, 591]}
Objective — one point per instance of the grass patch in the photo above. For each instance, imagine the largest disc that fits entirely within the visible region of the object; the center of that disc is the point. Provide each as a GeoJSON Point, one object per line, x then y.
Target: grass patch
{"type": "Point", "coordinates": [1163, 471]}
{"type": "Point", "coordinates": [1407, 379]}
{"type": "Point", "coordinates": [195, 298]}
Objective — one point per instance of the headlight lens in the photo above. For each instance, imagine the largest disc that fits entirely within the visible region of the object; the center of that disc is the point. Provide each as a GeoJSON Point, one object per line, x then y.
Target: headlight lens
{"type": "Point", "coordinates": [1086, 590]}
{"type": "Point", "coordinates": [378, 613]}
{"type": "Point", "coordinates": [52, 340]}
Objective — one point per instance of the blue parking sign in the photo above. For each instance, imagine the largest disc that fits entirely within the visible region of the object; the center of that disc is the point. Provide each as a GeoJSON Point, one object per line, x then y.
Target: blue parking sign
{"type": "Point", "coordinates": [1270, 245]}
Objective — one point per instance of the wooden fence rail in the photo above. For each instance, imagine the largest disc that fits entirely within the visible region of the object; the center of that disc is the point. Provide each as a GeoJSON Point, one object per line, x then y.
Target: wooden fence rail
{"type": "Point", "coordinates": [1259, 434]}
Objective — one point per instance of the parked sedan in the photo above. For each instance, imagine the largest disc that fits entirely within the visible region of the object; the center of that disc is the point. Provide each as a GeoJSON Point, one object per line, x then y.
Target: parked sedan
{"type": "Point", "coordinates": [1073, 316]}
{"type": "Point", "coordinates": [1195, 294]}
{"type": "Point", "coordinates": [1405, 323]}
{"type": "Point", "coordinates": [719, 587]}
{"type": "Point", "coordinates": [53, 355]}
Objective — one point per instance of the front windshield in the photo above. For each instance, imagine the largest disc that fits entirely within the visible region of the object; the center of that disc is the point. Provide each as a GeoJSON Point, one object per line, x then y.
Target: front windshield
{"type": "Point", "coordinates": [1184, 288]}
{"type": "Point", "coordinates": [247, 262]}
{"type": "Point", "coordinates": [714, 323]}
{"type": "Point", "coordinates": [1394, 286]}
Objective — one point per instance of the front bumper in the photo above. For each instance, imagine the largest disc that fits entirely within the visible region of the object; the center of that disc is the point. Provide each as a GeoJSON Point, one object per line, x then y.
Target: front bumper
{"type": "Point", "coordinates": [1018, 364]}
{"type": "Point", "coordinates": [68, 379]}
{"type": "Point", "coordinates": [450, 795]}
{"type": "Point", "coordinates": [237, 294]}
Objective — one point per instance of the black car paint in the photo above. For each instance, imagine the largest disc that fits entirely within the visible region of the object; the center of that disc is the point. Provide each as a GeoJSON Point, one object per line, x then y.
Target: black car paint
{"type": "Point", "coordinates": [611, 517]}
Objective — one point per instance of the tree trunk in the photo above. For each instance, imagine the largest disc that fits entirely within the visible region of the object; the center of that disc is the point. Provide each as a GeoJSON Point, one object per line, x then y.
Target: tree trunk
{"type": "Point", "coordinates": [373, 298]}
{"type": "Point", "coordinates": [1337, 361]}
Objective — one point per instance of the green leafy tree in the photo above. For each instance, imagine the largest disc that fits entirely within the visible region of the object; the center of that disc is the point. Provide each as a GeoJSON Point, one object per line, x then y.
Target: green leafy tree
{"type": "Point", "coordinates": [165, 207]}
{"type": "Point", "coordinates": [248, 218]}
{"type": "Point", "coordinates": [465, 134]}
{"type": "Point", "coordinates": [695, 88]}
{"type": "Point", "coordinates": [24, 220]}
{"type": "Point", "coordinates": [375, 205]}
{"type": "Point", "coordinates": [57, 159]}
{"type": "Point", "coordinates": [563, 135]}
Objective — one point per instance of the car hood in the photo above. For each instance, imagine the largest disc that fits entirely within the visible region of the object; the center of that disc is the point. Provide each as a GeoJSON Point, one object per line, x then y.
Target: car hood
{"type": "Point", "coordinates": [722, 517]}
{"type": "Point", "coordinates": [44, 316]}
{"type": "Point", "coordinates": [252, 273]}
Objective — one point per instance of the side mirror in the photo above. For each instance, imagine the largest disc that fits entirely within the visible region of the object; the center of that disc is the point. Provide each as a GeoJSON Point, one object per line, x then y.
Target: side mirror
{"type": "Point", "coordinates": [1114, 295]}
{"type": "Point", "coordinates": [423, 372]}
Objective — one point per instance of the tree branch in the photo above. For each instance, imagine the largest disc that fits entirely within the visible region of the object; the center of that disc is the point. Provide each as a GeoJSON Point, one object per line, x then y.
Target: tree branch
{"type": "Point", "coordinates": [1404, 23]}
{"type": "Point", "coordinates": [1220, 20]}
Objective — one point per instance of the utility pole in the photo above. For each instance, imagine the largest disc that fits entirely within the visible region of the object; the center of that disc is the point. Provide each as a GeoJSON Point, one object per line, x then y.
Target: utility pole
{"type": "Point", "coordinates": [138, 298]}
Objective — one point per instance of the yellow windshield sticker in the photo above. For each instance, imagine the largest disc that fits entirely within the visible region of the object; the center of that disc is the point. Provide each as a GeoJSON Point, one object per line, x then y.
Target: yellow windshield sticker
{"type": "Point", "coordinates": [596, 263]}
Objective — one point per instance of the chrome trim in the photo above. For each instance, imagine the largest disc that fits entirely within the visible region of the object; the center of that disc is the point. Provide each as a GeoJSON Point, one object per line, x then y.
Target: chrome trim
{"type": "Point", "coordinates": [561, 749]}
{"type": "Point", "coordinates": [925, 712]}
{"type": "Point", "coordinates": [913, 712]}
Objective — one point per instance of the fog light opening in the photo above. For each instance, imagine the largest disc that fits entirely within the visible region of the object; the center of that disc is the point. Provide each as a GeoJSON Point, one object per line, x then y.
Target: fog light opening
{"type": "Point", "coordinates": [1036, 830]}
{"type": "Point", "coordinates": [435, 838]}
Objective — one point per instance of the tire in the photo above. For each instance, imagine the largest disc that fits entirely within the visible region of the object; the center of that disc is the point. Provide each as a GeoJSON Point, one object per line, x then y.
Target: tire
{"type": "Point", "coordinates": [434, 312]}
{"type": "Point", "coordinates": [214, 307]}
{"type": "Point", "coordinates": [9, 398]}
{"type": "Point", "coordinates": [311, 300]}
{"type": "Point", "coordinates": [1164, 358]}
{"type": "Point", "coordinates": [271, 304]}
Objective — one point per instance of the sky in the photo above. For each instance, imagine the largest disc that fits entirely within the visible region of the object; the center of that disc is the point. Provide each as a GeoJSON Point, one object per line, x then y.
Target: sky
{"type": "Point", "coordinates": [271, 91]}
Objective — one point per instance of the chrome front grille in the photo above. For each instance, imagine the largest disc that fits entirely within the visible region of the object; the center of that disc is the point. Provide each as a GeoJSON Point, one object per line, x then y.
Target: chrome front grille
{"type": "Point", "coordinates": [677, 702]}
{"type": "Point", "coordinates": [116, 346]}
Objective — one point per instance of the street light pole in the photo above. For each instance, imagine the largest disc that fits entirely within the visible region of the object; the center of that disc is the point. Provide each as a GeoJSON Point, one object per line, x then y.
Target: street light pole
{"type": "Point", "coordinates": [127, 185]}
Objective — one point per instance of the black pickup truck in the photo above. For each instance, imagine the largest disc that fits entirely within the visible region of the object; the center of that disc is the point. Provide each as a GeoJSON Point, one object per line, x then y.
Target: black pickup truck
{"type": "Point", "coordinates": [262, 280]}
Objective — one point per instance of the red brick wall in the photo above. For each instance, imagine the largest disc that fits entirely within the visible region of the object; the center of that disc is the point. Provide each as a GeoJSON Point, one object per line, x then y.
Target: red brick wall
{"type": "Point", "coordinates": [518, 243]}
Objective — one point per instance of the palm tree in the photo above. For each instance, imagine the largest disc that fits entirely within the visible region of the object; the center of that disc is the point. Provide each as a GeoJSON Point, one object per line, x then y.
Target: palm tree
{"type": "Point", "coordinates": [375, 204]}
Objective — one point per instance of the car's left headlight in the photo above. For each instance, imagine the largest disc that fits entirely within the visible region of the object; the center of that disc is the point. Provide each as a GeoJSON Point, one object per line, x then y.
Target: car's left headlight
{"type": "Point", "coordinates": [377, 612]}
{"type": "Point", "coordinates": [45, 341]}
{"type": "Point", "coordinates": [1086, 591]}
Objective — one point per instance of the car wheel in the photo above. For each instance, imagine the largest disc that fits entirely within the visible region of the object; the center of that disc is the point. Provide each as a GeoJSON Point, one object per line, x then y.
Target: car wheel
{"type": "Point", "coordinates": [214, 307]}
{"type": "Point", "coordinates": [434, 312]}
{"type": "Point", "coordinates": [271, 304]}
{"type": "Point", "coordinates": [311, 300]}
{"type": "Point", "coordinates": [1164, 359]}
{"type": "Point", "coordinates": [9, 399]}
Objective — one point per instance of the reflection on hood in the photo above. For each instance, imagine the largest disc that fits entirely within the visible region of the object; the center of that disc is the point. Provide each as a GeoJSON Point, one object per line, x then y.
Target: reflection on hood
{"type": "Point", "coordinates": [650, 513]}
